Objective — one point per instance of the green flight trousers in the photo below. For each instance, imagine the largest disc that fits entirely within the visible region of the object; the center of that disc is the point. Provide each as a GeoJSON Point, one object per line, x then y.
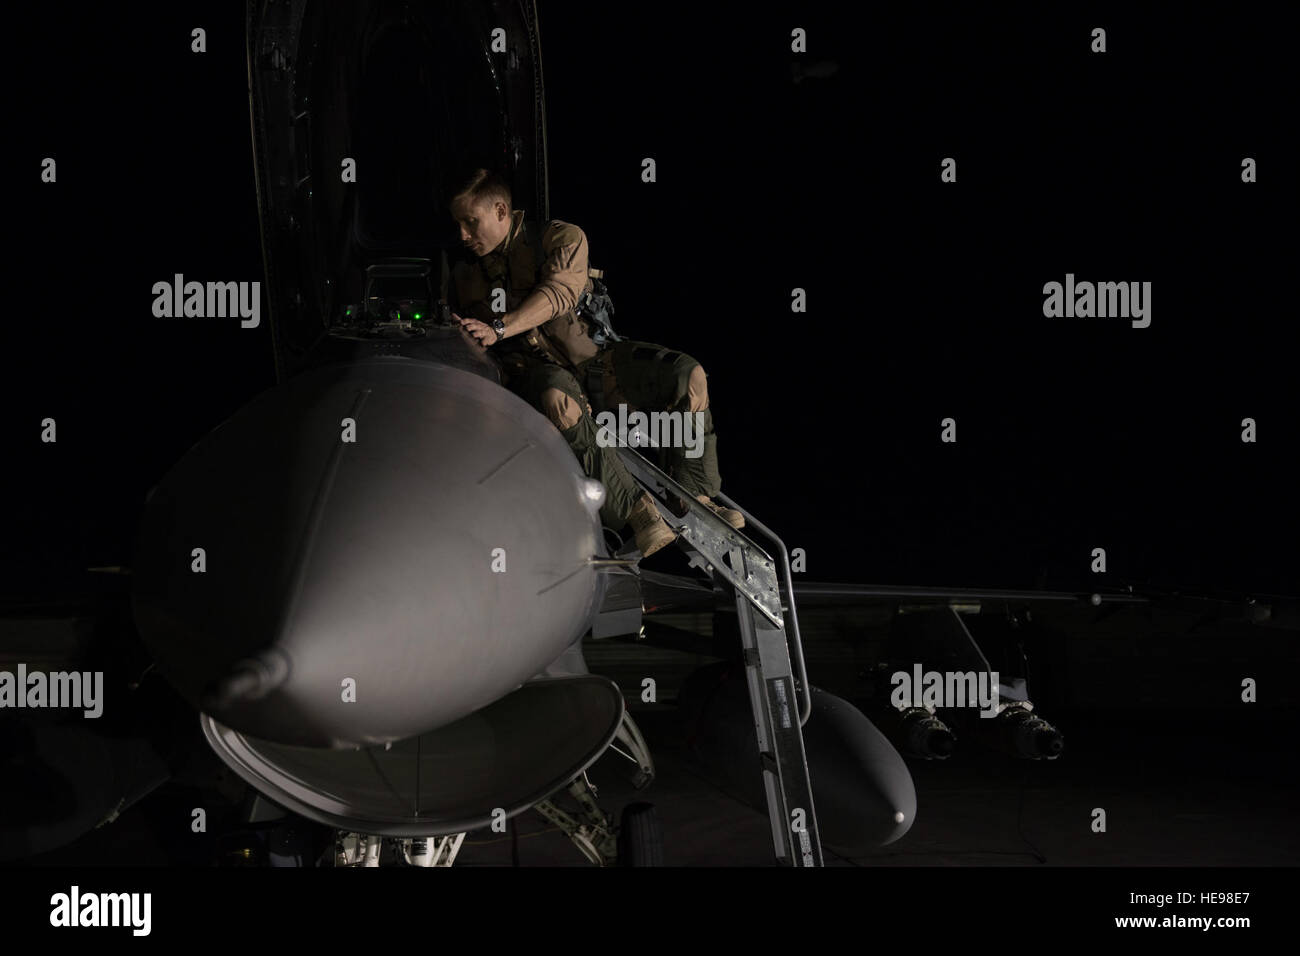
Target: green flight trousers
{"type": "Point", "coordinates": [644, 377]}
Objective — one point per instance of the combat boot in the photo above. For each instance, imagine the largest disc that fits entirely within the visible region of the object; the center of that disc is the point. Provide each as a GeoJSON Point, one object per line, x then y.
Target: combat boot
{"type": "Point", "coordinates": [729, 515]}
{"type": "Point", "coordinates": [651, 530]}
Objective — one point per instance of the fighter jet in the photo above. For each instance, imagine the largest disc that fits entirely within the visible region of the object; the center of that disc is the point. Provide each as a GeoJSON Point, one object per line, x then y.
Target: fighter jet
{"type": "Point", "coordinates": [373, 581]}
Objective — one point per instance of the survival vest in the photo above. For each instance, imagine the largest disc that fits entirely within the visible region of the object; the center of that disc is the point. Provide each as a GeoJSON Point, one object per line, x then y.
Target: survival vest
{"type": "Point", "coordinates": [567, 339]}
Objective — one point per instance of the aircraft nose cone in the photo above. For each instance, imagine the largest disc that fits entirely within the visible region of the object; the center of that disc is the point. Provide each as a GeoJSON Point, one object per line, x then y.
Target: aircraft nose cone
{"type": "Point", "coordinates": [364, 554]}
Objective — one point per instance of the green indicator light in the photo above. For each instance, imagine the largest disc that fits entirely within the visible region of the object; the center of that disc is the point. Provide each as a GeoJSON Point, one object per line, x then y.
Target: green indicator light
{"type": "Point", "coordinates": [417, 315]}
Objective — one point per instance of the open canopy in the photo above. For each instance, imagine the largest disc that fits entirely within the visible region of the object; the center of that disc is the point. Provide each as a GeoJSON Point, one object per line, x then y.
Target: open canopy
{"type": "Point", "coordinates": [410, 92]}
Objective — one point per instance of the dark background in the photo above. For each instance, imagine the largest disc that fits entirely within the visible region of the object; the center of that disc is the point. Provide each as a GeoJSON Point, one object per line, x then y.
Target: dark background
{"type": "Point", "coordinates": [925, 299]}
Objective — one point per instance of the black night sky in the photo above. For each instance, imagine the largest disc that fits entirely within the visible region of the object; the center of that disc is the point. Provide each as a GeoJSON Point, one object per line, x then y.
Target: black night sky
{"type": "Point", "coordinates": [925, 298]}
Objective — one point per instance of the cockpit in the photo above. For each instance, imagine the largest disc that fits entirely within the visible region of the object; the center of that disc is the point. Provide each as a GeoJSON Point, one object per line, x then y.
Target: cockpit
{"type": "Point", "coordinates": [397, 295]}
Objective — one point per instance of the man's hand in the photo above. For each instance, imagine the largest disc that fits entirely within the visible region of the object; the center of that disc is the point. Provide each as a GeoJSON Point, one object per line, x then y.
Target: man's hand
{"type": "Point", "coordinates": [483, 333]}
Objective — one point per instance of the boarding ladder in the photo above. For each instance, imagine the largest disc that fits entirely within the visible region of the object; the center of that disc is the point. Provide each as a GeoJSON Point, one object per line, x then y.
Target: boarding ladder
{"type": "Point", "coordinates": [781, 707]}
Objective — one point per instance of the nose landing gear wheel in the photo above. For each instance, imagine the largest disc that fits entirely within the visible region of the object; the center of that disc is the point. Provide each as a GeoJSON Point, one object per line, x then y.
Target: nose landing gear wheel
{"type": "Point", "coordinates": [640, 836]}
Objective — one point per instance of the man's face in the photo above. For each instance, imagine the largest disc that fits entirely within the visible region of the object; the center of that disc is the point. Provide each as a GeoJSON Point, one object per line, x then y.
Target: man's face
{"type": "Point", "coordinates": [483, 226]}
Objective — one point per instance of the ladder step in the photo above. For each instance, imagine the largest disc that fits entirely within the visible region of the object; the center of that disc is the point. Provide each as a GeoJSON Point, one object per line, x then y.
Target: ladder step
{"type": "Point", "coordinates": [711, 540]}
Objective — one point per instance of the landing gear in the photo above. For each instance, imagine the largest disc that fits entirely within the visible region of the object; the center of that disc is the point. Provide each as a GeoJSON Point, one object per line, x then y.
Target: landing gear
{"type": "Point", "coordinates": [591, 829]}
{"type": "Point", "coordinates": [640, 836]}
{"type": "Point", "coordinates": [363, 850]}
{"type": "Point", "coordinates": [637, 840]}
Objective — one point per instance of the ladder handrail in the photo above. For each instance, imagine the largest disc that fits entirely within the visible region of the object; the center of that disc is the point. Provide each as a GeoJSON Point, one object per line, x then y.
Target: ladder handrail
{"type": "Point", "coordinates": [773, 670]}
{"type": "Point", "coordinates": [805, 706]}
{"type": "Point", "coordinates": [650, 475]}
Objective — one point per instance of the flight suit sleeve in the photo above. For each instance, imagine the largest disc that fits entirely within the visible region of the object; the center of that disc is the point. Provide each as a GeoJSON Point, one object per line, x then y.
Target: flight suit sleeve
{"type": "Point", "coordinates": [563, 273]}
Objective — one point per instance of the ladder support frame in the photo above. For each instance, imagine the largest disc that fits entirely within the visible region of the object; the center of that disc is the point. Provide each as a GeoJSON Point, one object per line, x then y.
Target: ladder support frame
{"type": "Point", "coordinates": [750, 576]}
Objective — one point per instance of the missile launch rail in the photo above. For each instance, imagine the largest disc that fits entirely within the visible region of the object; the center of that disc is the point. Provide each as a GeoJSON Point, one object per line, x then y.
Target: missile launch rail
{"type": "Point", "coordinates": [781, 699]}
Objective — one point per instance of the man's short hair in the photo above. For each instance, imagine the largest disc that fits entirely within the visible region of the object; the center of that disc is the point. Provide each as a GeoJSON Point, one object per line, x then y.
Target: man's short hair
{"type": "Point", "coordinates": [483, 184]}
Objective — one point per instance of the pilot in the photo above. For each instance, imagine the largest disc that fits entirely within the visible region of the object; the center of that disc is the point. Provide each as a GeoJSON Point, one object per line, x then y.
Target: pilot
{"type": "Point", "coordinates": [548, 352]}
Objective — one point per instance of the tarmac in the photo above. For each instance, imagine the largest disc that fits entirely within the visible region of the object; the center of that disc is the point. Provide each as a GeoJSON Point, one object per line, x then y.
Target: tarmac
{"type": "Point", "coordinates": [1184, 777]}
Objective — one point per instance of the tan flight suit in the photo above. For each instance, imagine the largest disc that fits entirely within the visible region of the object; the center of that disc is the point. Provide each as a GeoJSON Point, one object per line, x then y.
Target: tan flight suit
{"type": "Point", "coordinates": [549, 365]}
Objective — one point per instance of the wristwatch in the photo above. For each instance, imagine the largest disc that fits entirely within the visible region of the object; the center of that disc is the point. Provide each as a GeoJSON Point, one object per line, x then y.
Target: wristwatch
{"type": "Point", "coordinates": [499, 327]}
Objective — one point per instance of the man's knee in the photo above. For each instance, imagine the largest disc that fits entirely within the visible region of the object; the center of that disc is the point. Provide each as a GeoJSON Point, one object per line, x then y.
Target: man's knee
{"type": "Point", "coordinates": [697, 389]}
{"type": "Point", "coordinates": [692, 390]}
{"type": "Point", "coordinates": [560, 408]}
